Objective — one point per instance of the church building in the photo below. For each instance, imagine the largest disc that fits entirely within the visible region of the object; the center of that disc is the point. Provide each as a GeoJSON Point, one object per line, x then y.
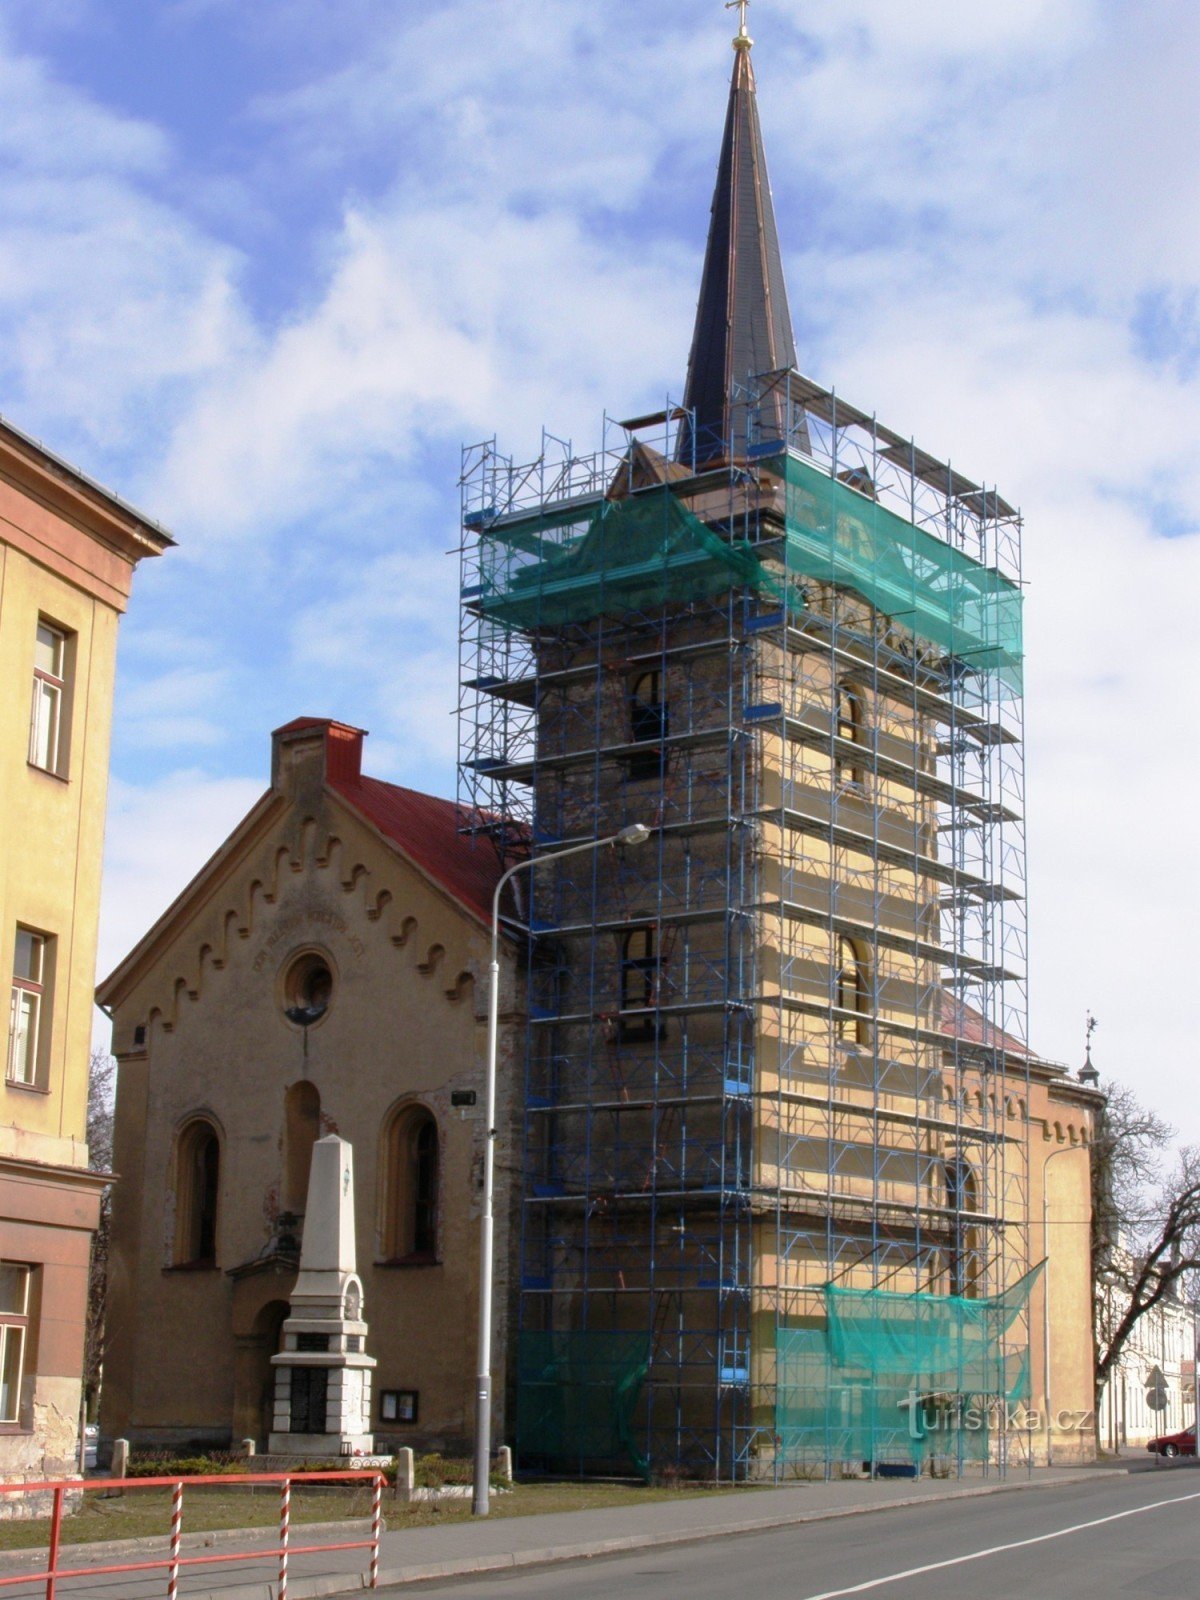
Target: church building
{"type": "Point", "coordinates": [325, 973]}
{"type": "Point", "coordinates": [787, 1196]}
{"type": "Point", "coordinates": [783, 1187]}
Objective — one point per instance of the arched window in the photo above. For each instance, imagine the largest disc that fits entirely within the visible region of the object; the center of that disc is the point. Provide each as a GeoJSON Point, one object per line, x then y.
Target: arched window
{"type": "Point", "coordinates": [648, 724]}
{"type": "Point", "coordinates": [853, 993]}
{"type": "Point", "coordinates": [197, 1189]}
{"type": "Point", "coordinates": [849, 728]}
{"type": "Point", "coordinates": [410, 1200]}
{"type": "Point", "coordinates": [640, 966]}
{"type": "Point", "coordinates": [301, 1130]}
{"type": "Point", "coordinates": [962, 1201]}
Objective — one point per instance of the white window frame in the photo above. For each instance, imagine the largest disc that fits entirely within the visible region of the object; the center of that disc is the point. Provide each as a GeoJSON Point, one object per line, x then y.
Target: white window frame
{"type": "Point", "coordinates": [49, 703]}
{"type": "Point", "coordinates": [14, 1331]}
{"type": "Point", "coordinates": [28, 997]}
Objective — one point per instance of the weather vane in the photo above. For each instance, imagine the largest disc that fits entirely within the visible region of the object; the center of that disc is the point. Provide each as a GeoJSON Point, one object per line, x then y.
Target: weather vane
{"type": "Point", "coordinates": [740, 6]}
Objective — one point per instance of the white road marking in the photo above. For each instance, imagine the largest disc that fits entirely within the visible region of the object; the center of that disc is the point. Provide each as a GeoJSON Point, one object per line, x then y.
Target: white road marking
{"type": "Point", "coordinates": [998, 1549]}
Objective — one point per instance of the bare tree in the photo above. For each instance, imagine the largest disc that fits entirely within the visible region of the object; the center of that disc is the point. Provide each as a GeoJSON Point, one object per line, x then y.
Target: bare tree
{"type": "Point", "coordinates": [1145, 1221]}
{"type": "Point", "coordinates": [101, 1101]}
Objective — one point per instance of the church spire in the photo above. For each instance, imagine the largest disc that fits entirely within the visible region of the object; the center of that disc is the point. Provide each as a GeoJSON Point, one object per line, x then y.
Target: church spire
{"type": "Point", "coordinates": [743, 326]}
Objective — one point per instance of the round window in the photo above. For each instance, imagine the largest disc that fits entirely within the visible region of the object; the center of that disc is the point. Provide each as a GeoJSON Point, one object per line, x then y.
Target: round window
{"type": "Point", "coordinates": [307, 988]}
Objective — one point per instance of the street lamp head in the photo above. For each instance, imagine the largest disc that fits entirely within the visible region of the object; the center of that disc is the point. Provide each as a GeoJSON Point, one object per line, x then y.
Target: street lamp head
{"type": "Point", "coordinates": [636, 833]}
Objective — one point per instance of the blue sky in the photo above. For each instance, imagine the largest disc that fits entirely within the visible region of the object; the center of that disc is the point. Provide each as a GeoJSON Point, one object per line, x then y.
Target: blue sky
{"type": "Point", "coordinates": [264, 268]}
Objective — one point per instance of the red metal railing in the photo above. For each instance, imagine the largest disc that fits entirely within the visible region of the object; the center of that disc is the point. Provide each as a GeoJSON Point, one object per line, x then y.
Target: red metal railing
{"type": "Point", "coordinates": [174, 1561]}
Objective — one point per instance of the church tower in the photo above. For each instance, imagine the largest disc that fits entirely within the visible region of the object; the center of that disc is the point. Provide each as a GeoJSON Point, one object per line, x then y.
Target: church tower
{"type": "Point", "coordinates": [773, 1183]}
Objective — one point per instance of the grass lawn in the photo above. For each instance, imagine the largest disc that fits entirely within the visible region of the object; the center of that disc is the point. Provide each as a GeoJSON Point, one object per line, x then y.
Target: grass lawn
{"type": "Point", "coordinates": [145, 1513]}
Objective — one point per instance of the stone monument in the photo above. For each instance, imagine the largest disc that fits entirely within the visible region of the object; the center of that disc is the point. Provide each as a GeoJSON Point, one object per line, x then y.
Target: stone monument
{"type": "Point", "coordinates": [322, 1372]}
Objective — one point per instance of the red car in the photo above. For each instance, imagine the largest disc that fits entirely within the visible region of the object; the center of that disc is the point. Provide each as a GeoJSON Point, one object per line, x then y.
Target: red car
{"type": "Point", "coordinates": [1174, 1444]}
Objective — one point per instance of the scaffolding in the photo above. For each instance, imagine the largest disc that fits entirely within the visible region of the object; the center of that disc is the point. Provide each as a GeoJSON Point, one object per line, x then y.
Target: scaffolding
{"type": "Point", "coordinates": [775, 1061]}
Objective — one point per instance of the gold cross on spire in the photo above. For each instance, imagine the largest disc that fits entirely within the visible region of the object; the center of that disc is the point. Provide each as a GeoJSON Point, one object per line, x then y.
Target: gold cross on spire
{"type": "Point", "coordinates": [743, 40]}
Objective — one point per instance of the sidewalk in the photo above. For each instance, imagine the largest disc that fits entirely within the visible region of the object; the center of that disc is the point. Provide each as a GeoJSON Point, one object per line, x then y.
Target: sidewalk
{"type": "Point", "coordinates": [501, 1544]}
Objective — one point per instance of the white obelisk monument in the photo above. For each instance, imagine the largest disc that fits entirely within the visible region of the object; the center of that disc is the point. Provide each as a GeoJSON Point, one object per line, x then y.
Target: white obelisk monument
{"type": "Point", "coordinates": [322, 1372]}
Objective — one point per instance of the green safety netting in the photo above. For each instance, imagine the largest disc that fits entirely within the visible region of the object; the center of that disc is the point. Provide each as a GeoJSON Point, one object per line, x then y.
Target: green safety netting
{"type": "Point", "coordinates": [940, 594]}
{"type": "Point", "coordinates": [576, 1397]}
{"type": "Point", "coordinates": [894, 1377]}
{"type": "Point", "coordinates": [633, 555]}
{"type": "Point", "coordinates": [550, 568]}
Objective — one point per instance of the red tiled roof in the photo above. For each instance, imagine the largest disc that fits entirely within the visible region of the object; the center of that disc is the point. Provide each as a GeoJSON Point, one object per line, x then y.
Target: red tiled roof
{"type": "Point", "coordinates": [299, 723]}
{"type": "Point", "coordinates": [428, 830]}
{"type": "Point", "coordinates": [961, 1021]}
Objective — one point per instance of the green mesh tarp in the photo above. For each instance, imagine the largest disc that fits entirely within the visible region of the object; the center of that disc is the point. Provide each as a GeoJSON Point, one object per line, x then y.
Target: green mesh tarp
{"type": "Point", "coordinates": [940, 594]}
{"type": "Point", "coordinates": [894, 1377]}
{"type": "Point", "coordinates": [576, 1397]}
{"type": "Point", "coordinates": [649, 550]}
{"type": "Point", "coordinates": [635, 554]}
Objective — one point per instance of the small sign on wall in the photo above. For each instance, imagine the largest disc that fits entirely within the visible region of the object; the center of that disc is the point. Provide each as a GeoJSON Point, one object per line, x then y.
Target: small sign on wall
{"type": "Point", "coordinates": [398, 1405]}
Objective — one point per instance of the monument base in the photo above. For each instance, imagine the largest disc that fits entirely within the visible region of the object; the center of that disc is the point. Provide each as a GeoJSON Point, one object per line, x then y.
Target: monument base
{"type": "Point", "coordinates": [321, 1446]}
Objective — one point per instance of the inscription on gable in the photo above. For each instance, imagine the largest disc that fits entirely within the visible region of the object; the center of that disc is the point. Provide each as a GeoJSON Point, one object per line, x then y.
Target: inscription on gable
{"type": "Point", "coordinates": [294, 927]}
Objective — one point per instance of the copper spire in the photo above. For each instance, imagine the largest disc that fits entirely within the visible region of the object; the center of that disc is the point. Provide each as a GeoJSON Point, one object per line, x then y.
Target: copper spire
{"type": "Point", "coordinates": [743, 327]}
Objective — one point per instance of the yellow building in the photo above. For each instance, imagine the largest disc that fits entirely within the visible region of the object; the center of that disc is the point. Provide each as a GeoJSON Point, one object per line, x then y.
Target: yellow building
{"type": "Point", "coordinates": [68, 549]}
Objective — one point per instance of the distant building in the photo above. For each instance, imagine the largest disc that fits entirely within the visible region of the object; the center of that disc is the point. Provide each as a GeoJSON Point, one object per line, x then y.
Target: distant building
{"type": "Point", "coordinates": [68, 549]}
{"type": "Point", "coordinates": [1152, 1389]}
{"type": "Point", "coordinates": [326, 972]}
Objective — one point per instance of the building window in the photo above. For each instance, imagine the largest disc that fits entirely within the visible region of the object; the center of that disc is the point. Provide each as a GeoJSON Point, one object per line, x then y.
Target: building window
{"type": "Point", "coordinates": [962, 1200]}
{"type": "Point", "coordinates": [47, 742]}
{"type": "Point", "coordinates": [197, 1189]}
{"type": "Point", "coordinates": [853, 993]}
{"type": "Point", "coordinates": [29, 1015]}
{"type": "Point", "coordinates": [301, 1130]}
{"type": "Point", "coordinates": [850, 731]}
{"type": "Point", "coordinates": [648, 724]}
{"type": "Point", "coordinates": [641, 967]}
{"type": "Point", "coordinates": [307, 989]}
{"type": "Point", "coordinates": [14, 1334]}
{"type": "Point", "coordinates": [411, 1162]}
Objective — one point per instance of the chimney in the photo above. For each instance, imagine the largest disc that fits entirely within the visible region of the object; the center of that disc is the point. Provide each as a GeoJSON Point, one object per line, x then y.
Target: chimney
{"type": "Point", "coordinates": [315, 750]}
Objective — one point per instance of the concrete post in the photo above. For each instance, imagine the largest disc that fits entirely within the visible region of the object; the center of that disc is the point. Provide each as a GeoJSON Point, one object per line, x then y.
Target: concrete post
{"type": "Point", "coordinates": [406, 1475]}
{"type": "Point", "coordinates": [248, 1447]}
{"type": "Point", "coordinates": [504, 1463]}
{"type": "Point", "coordinates": [120, 1460]}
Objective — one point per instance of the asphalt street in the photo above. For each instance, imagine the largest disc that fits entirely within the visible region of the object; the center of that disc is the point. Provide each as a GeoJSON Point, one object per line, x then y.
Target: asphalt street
{"type": "Point", "coordinates": [1104, 1540]}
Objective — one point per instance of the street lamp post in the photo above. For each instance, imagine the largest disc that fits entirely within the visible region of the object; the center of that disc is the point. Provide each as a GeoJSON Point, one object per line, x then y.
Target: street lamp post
{"type": "Point", "coordinates": [636, 833]}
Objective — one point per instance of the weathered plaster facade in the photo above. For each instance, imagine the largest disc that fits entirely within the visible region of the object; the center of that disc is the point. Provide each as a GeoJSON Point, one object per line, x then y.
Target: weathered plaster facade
{"type": "Point", "coordinates": [68, 550]}
{"type": "Point", "coordinates": [200, 1032]}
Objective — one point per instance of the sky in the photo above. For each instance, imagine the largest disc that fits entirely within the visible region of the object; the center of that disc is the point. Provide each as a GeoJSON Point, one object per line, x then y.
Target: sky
{"type": "Point", "coordinates": [264, 269]}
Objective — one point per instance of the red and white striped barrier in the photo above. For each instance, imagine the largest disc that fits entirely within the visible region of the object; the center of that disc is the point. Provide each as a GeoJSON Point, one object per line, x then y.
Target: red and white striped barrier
{"type": "Point", "coordinates": [174, 1560]}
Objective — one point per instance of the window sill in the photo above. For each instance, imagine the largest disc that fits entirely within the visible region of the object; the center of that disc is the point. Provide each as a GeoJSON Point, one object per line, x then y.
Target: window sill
{"type": "Point", "coordinates": [405, 1263]}
{"type": "Point", "coordinates": [10, 1429]}
{"type": "Point", "coordinates": [25, 1088]}
{"type": "Point", "coordinates": [59, 777]}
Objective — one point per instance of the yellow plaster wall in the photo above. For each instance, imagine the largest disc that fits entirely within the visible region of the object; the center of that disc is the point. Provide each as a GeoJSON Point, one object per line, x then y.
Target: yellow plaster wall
{"type": "Point", "coordinates": [53, 833]}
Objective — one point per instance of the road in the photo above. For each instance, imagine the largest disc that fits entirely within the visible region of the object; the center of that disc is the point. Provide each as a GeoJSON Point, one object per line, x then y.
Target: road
{"type": "Point", "coordinates": [1106, 1540]}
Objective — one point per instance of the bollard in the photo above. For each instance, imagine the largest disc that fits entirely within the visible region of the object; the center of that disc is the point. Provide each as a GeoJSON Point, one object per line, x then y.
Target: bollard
{"type": "Point", "coordinates": [406, 1477]}
{"type": "Point", "coordinates": [120, 1461]}
{"type": "Point", "coordinates": [504, 1463]}
{"type": "Point", "coordinates": [248, 1447]}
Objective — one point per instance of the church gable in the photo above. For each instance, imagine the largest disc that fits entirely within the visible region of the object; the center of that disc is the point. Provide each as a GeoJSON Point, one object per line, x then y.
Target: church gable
{"type": "Point", "coordinates": [304, 870]}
